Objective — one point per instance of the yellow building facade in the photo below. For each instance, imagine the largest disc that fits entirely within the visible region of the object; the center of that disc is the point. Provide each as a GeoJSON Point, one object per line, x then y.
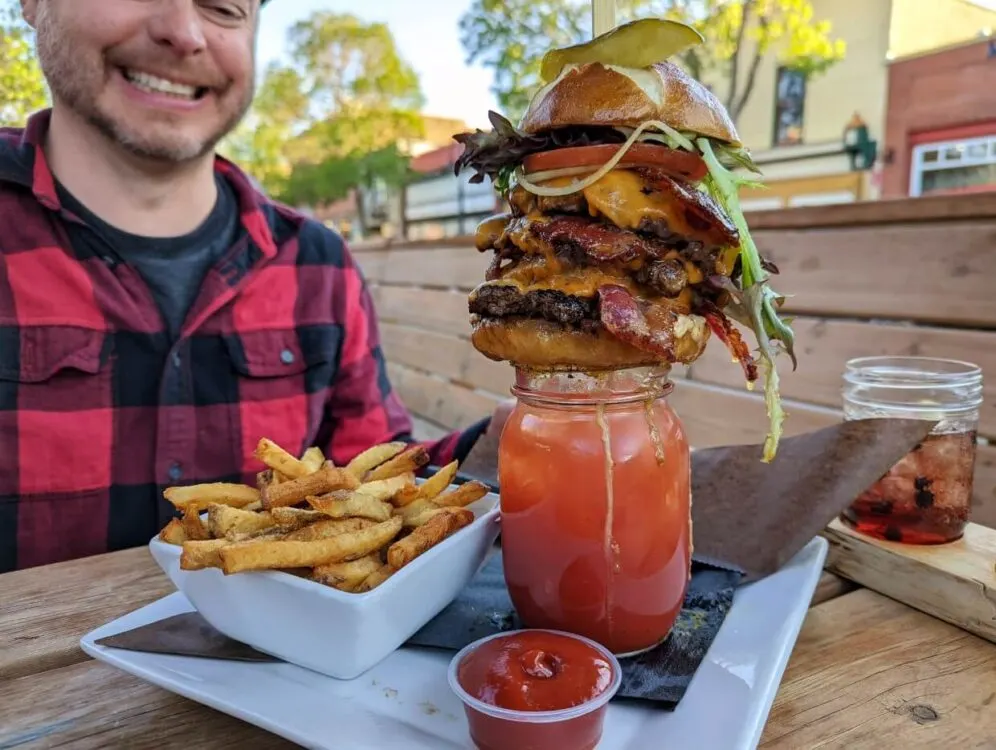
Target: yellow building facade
{"type": "Point", "coordinates": [794, 127]}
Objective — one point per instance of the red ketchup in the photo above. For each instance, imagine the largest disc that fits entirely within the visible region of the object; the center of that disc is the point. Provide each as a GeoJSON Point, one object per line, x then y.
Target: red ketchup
{"type": "Point", "coordinates": [535, 690]}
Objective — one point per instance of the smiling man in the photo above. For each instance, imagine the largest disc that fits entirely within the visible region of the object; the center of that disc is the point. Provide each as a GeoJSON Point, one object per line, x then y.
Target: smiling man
{"type": "Point", "coordinates": [158, 314]}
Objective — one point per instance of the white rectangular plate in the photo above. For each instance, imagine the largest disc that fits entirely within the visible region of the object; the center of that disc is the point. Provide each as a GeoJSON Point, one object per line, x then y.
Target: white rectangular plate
{"type": "Point", "coordinates": [404, 702]}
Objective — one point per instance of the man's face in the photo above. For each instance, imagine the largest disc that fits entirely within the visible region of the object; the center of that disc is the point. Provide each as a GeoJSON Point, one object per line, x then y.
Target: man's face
{"type": "Point", "coordinates": [166, 79]}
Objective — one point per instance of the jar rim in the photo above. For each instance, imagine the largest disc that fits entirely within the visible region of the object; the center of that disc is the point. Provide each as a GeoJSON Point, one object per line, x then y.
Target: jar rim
{"type": "Point", "coordinates": [911, 372]}
{"type": "Point", "coordinates": [627, 385]}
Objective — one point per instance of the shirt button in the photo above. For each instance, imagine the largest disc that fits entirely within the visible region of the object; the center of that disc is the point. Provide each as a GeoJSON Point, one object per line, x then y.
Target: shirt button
{"type": "Point", "coordinates": [287, 356]}
{"type": "Point", "coordinates": [176, 359]}
{"type": "Point", "coordinates": [175, 472]}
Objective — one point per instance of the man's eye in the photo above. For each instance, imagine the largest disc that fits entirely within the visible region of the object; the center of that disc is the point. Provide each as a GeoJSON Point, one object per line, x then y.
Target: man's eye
{"type": "Point", "coordinates": [229, 11]}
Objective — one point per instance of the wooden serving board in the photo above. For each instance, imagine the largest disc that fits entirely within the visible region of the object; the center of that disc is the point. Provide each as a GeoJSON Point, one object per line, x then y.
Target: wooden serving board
{"type": "Point", "coordinates": [954, 582]}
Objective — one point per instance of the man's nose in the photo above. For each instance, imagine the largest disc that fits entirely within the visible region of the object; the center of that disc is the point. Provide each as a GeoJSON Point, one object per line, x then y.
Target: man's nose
{"type": "Point", "coordinates": [178, 24]}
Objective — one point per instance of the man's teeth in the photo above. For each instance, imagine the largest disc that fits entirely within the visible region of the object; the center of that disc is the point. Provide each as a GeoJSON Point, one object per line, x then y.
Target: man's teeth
{"type": "Point", "coordinates": [156, 85]}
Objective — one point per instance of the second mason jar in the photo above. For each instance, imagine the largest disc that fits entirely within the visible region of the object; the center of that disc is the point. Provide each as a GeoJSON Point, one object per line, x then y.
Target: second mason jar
{"type": "Point", "coordinates": [596, 506]}
{"type": "Point", "coordinates": [926, 497]}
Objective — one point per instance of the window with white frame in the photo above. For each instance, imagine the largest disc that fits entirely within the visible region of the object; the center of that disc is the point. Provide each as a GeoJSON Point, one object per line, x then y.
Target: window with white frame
{"type": "Point", "coordinates": [953, 166]}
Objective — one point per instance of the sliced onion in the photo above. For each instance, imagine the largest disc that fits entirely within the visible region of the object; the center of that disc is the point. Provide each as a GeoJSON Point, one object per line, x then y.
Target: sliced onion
{"type": "Point", "coordinates": [669, 136]}
{"type": "Point", "coordinates": [552, 174]}
{"type": "Point", "coordinates": [579, 185]}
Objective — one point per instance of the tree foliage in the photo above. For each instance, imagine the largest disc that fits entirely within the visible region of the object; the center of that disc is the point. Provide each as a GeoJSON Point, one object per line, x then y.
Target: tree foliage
{"type": "Point", "coordinates": [330, 118]}
{"type": "Point", "coordinates": [259, 144]}
{"type": "Point", "coordinates": [511, 36]}
{"type": "Point", "coordinates": [22, 85]}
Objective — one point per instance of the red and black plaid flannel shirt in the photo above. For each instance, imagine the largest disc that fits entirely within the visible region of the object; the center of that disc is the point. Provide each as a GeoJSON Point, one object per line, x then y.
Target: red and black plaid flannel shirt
{"type": "Point", "coordinates": [100, 410]}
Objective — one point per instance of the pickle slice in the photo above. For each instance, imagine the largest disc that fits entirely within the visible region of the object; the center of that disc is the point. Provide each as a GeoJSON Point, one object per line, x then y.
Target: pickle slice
{"type": "Point", "coordinates": [637, 44]}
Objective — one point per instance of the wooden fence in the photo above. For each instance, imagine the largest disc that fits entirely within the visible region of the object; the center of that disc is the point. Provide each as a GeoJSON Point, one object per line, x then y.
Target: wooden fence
{"type": "Point", "coordinates": [906, 277]}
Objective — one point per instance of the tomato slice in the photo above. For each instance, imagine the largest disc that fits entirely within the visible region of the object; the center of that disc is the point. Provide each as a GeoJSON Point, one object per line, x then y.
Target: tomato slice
{"type": "Point", "coordinates": [681, 165]}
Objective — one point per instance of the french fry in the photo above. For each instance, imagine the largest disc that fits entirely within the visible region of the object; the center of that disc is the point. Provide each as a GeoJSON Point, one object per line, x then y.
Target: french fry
{"type": "Point", "coordinates": [268, 555]}
{"type": "Point", "coordinates": [346, 576]}
{"type": "Point", "coordinates": [199, 496]}
{"type": "Point", "coordinates": [268, 478]}
{"type": "Point", "coordinates": [406, 462]}
{"type": "Point", "coordinates": [280, 460]}
{"type": "Point", "coordinates": [462, 496]}
{"type": "Point", "coordinates": [427, 536]}
{"type": "Point", "coordinates": [386, 489]}
{"type": "Point", "coordinates": [193, 526]}
{"type": "Point", "coordinates": [328, 528]}
{"type": "Point", "coordinates": [344, 504]}
{"type": "Point", "coordinates": [326, 479]}
{"type": "Point", "coordinates": [198, 555]}
{"type": "Point", "coordinates": [313, 458]}
{"type": "Point", "coordinates": [255, 507]}
{"type": "Point", "coordinates": [295, 518]}
{"type": "Point", "coordinates": [375, 579]}
{"type": "Point", "coordinates": [414, 520]}
{"type": "Point", "coordinates": [431, 487]}
{"type": "Point", "coordinates": [419, 506]}
{"type": "Point", "coordinates": [173, 532]}
{"type": "Point", "coordinates": [273, 532]}
{"type": "Point", "coordinates": [373, 457]}
{"type": "Point", "coordinates": [439, 481]}
{"type": "Point", "coordinates": [225, 521]}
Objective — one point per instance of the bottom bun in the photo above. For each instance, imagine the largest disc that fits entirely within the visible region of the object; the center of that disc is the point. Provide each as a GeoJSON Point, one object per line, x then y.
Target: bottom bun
{"type": "Point", "coordinates": [540, 344]}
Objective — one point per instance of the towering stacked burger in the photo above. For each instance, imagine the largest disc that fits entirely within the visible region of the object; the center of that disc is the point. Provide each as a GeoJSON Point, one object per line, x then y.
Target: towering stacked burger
{"type": "Point", "coordinates": [624, 244]}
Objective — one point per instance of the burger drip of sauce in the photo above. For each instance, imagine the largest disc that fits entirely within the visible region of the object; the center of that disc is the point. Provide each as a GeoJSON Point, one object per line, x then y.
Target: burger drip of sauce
{"type": "Point", "coordinates": [691, 535]}
{"type": "Point", "coordinates": [655, 433]}
{"type": "Point", "coordinates": [609, 544]}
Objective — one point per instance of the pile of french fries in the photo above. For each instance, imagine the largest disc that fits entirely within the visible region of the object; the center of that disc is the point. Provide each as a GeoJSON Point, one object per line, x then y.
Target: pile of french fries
{"type": "Point", "coordinates": [349, 527]}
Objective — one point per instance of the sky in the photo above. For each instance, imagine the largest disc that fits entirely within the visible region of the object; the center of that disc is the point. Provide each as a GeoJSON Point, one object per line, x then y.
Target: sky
{"type": "Point", "coordinates": [428, 39]}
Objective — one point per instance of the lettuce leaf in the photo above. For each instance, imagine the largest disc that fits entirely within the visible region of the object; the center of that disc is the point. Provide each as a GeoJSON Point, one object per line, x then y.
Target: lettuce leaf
{"type": "Point", "coordinates": [759, 299]}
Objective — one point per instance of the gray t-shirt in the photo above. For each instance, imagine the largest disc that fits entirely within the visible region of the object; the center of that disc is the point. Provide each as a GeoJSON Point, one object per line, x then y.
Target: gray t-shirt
{"type": "Point", "coordinates": [173, 267]}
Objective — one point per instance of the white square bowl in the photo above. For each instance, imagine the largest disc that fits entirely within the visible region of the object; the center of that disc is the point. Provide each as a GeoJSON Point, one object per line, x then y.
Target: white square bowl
{"type": "Point", "coordinates": [333, 632]}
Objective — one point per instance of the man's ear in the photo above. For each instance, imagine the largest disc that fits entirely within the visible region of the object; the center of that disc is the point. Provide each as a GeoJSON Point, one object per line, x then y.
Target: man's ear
{"type": "Point", "coordinates": [29, 9]}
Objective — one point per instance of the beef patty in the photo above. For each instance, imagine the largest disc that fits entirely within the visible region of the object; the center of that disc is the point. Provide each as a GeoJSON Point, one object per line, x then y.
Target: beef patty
{"type": "Point", "coordinates": [496, 301]}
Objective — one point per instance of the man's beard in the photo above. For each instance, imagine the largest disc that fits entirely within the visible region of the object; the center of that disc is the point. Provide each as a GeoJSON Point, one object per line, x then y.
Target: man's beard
{"type": "Point", "coordinates": [76, 86]}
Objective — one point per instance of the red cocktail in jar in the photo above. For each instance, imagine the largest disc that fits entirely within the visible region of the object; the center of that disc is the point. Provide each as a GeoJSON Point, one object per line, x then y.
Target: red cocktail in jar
{"type": "Point", "coordinates": [595, 506]}
{"type": "Point", "coordinates": [926, 497]}
{"type": "Point", "coordinates": [535, 690]}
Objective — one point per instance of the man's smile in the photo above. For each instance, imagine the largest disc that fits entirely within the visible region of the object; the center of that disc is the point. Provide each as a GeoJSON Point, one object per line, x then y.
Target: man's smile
{"type": "Point", "coordinates": [157, 85]}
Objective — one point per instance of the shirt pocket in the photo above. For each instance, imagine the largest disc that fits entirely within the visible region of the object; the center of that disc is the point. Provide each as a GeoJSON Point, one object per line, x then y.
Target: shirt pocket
{"type": "Point", "coordinates": [283, 380]}
{"type": "Point", "coordinates": [57, 415]}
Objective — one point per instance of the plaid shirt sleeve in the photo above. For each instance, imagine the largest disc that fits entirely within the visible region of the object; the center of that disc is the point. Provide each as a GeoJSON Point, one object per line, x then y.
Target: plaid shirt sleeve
{"type": "Point", "coordinates": [363, 408]}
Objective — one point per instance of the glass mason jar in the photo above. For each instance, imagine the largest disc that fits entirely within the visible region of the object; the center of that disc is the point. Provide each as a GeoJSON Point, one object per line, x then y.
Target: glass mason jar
{"type": "Point", "coordinates": [596, 506]}
{"type": "Point", "coordinates": [925, 498]}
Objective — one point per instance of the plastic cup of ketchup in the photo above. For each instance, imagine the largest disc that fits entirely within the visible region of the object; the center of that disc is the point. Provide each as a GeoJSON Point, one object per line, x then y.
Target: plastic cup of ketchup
{"type": "Point", "coordinates": [535, 690]}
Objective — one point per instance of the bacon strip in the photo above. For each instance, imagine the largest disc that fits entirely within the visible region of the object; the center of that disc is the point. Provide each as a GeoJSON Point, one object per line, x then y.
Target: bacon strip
{"type": "Point", "coordinates": [730, 336]}
{"type": "Point", "coordinates": [700, 210]}
{"type": "Point", "coordinates": [599, 243]}
{"type": "Point", "coordinates": [622, 317]}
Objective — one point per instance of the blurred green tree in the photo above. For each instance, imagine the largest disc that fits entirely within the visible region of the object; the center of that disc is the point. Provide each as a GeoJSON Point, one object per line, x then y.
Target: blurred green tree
{"type": "Point", "coordinates": [335, 117]}
{"type": "Point", "coordinates": [22, 85]}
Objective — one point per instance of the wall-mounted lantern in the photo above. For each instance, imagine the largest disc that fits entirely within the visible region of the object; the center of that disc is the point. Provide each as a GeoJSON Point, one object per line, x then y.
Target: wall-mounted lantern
{"type": "Point", "coordinates": [858, 145]}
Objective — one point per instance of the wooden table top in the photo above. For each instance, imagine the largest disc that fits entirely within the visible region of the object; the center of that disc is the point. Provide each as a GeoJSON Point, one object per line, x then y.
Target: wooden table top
{"type": "Point", "coordinates": [867, 672]}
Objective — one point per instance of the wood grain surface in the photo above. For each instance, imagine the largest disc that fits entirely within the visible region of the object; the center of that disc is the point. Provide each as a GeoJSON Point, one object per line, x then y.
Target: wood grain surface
{"type": "Point", "coordinates": [955, 582]}
{"type": "Point", "coordinates": [870, 673]}
{"type": "Point", "coordinates": [92, 705]}
{"type": "Point", "coordinates": [830, 586]}
{"type": "Point", "coordinates": [45, 611]}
